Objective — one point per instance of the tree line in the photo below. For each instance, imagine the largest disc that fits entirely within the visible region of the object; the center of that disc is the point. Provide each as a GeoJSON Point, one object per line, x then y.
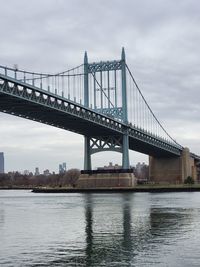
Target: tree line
{"type": "Point", "coordinates": [67, 179]}
{"type": "Point", "coordinates": [16, 179]}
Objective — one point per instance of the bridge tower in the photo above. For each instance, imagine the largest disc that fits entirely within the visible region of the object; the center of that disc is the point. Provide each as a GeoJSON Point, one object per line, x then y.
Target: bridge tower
{"type": "Point", "coordinates": [103, 82]}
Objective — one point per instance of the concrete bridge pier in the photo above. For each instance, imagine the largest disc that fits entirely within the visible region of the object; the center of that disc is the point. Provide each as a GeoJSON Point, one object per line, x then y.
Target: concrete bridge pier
{"type": "Point", "coordinates": [172, 169]}
{"type": "Point", "coordinates": [115, 178]}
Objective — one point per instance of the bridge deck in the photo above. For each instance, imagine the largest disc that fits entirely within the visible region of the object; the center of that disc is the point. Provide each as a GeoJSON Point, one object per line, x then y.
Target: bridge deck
{"type": "Point", "coordinates": [25, 100]}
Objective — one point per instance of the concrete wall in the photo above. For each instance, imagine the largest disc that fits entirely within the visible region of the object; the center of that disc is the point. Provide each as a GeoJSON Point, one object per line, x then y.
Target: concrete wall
{"type": "Point", "coordinates": [104, 180]}
{"type": "Point", "coordinates": [172, 170]}
{"type": "Point", "coordinates": [165, 170]}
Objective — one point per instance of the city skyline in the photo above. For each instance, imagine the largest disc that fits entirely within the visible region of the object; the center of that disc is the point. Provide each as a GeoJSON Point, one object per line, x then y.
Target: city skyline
{"type": "Point", "coordinates": [161, 47]}
{"type": "Point", "coordinates": [61, 168]}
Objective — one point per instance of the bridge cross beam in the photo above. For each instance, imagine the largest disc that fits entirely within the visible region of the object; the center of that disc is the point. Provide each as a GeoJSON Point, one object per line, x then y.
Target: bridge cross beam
{"type": "Point", "coordinates": [95, 144]}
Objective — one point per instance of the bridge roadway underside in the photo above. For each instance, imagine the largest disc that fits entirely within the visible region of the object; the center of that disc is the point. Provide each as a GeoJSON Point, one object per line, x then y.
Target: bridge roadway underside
{"type": "Point", "coordinates": [34, 111]}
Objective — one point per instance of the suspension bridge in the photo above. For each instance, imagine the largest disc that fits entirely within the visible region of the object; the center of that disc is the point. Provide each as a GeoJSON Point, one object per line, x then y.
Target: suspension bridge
{"type": "Point", "coordinates": [100, 101]}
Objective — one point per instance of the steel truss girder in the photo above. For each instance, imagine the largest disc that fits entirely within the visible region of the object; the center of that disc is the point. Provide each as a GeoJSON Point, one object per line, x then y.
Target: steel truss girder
{"type": "Point", "coordinates": [113, 112]}
{"type": "Point", "coordinates": [148, 138]}
{"type": "Point", "coordinates": [36, 96]}
{"type": "Point", "coordinates": [108, 143]}
{"type": "Point", "coordinates": [104, 66]}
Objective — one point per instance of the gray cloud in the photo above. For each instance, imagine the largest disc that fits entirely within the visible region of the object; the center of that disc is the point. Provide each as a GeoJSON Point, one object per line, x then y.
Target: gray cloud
{"type": "Point", "coordinates": [162, 44]}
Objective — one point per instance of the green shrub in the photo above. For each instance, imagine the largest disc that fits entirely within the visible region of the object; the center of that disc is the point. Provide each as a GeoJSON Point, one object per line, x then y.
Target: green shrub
{"type": "Point", "coordinates": [189, 180]}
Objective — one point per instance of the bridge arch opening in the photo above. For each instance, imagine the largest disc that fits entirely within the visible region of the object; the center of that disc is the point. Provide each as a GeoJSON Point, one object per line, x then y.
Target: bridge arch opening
{"type": "Point", "coordinates": [104, 158]}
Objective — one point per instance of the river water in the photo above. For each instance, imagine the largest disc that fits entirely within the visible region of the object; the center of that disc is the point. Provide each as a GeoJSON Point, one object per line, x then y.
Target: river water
{"type": "Point", "coordinates": [129, 229]}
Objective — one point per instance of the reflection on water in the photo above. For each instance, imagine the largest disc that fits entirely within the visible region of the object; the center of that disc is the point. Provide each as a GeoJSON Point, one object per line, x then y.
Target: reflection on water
{"type": "Point", "coordinates": [88, 229]}
{"type": "Point", "coordinates": [1, 217]}
{"type": "Point", "coordinates": [107, 244]}
{"type": "Point", "coordinates": [140, 229]}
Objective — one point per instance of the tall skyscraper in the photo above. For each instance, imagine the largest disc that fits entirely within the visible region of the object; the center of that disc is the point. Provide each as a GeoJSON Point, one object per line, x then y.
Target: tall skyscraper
{"type": "Point", "coordinates": [62, 167]}
{"type": "Point", "coordinates": [37, 172]}
{"type": "Point", "coordinates": [1, 162]}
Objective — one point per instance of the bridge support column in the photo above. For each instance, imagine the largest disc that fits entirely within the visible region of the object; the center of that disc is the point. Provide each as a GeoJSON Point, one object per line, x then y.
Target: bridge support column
{"type": "Point", "coordinates": [125, 152]}
{"type": "Point", "coordinates": [87, 154]}
{"type": "Point", "coordinates": [172, 170]}
{"type": "Point", "coordinates": [106, 178]}
{"type": "Point", "coordinates": [87, 151]}
{"type": "Point", "coordinates": [189, 165]}
{"type": "Point", "coordinates": [125, 144]}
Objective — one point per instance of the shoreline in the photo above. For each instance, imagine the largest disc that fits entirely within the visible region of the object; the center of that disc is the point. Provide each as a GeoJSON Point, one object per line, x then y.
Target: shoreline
{"type": "Point", "coordinates": [136, 189]}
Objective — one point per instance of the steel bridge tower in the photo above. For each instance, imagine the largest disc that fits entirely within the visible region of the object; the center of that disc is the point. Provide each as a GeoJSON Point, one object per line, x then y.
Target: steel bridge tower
{"type": "Point", "coordinates": [97, 72]}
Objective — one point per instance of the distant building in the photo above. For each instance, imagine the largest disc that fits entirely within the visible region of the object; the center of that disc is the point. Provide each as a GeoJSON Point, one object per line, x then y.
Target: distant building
{"type": "Point", "coordinates": [110, 167]}
{"type": "Point", "coordinates": [46, 172]}
{"type": "Point", "coordinates": [62, 168]}
{"type": "Point", "coordinates": [140, 166]}
{"type": "Point", "coordinates": [1, 162]}
{"type": "Point", "coordinates": [26, 172]}
{"type": "Point", "coordinates": [142, 171]}
{"type": "Point", "coordinates": [37, 172]}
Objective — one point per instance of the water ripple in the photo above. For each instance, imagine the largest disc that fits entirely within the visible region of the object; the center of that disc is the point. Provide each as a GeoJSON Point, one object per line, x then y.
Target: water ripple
{"type": "Point", "coordinates": [99, 229]}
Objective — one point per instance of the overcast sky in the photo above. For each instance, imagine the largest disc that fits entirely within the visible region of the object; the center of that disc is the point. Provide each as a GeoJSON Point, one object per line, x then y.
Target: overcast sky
{"type": "Point", "coordinates": [162, 42]}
